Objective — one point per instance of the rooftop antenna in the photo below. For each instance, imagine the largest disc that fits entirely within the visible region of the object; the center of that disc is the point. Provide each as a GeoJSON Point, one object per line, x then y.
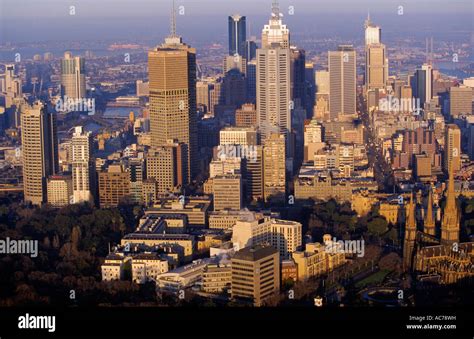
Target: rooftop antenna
{"type": "Point", "coordinates": [173, 21]}
{"type": "Point", "coordinates": [275, 9]}
{"type": "Point", "coordinates": [367, 21]}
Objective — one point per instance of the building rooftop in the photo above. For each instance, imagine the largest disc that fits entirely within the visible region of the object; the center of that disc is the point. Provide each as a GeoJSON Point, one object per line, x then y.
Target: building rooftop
{"type": "Point", "coordinates": [255, 253]}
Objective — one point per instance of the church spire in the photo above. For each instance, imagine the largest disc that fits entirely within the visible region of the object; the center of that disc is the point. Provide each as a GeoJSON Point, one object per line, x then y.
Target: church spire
{"type": "Point", "coordinates": [411, 214]}
{"type": "Point", "coordinates": [429, 222]}
{"type": "Point", "coordinates": [410, 235]}
{"type": "Point", "coordinates": [451, 219]}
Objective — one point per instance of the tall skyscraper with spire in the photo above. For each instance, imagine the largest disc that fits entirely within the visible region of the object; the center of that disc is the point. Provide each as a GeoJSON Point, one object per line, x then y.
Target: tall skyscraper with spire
{"type": "Point", "coordinates": [376, 62]}
{"type": "Point", "coordinates": [373, 34]}
{"type": "Point", "coordinates": [451, 218]}
{"type": "Point", "coordinates": [274, 78]}
{"type": "Point", "coordinates": [172, 74]}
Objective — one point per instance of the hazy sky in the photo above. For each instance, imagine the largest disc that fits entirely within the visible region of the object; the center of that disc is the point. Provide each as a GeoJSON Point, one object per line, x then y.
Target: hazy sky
{"type": "Point", "coordinates": [42, 20]}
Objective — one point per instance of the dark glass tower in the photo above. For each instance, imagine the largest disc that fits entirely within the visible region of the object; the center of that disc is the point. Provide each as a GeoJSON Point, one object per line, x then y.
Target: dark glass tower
{"type": "Point", "coordinates": [237, 34]}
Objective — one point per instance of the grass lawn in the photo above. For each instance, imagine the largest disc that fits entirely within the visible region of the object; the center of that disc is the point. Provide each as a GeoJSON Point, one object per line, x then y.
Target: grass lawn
{"type": "Point", "coordinates": [373, 279]}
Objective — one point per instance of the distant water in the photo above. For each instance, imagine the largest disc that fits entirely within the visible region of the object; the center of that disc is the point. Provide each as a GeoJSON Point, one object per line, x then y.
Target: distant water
{"type": "Point", "coordinates": [122, 111]}
{"type": "Point", "coordinates": [28, 53]}
{"type": "Point", "coordinates": [92, 127]}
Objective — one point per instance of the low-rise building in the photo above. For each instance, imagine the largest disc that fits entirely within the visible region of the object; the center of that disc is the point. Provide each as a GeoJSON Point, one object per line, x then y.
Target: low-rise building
{"type": "Point", "coordinates": [315, 260]}
{"type": "Point", "coordinates": [147, 267]}
{"type": "Point", "coordinates": [217, 278]}
{"type": "Point", "coordinates": [114, 267]}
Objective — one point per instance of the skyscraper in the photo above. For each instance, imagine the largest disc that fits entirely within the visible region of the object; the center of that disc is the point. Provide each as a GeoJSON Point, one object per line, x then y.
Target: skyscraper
{"type": "Point", "coordinates": [172, 74]}
{"type": "Point", "coordinates": [237, 34]}
{"type": "Point", "coordinates": [298, 62]}
{"type": "Point", "coordinates": [460, 101]}
{"type": "Point", "coordinates": [40, 151]}
{"type": "Point", "coordinates": [274, 78]}
{"type": "Point", "coordinates": [73, 78]}
{"type": "Point", "coordinates": [342, 81]}
{"type": "Point", "coordinates": [274, 168]}
{"type": "Point", "coordinates": [376, 62]}
{"type": "Point", "coordinates": [114, 186]}
{"type": "Point", "coordinates": [255, 274]}
{"type": "Point", "coordinates": [422, 84]}
{"type": "Point", "coordinates": [83, 167]}
{"type": "Point", "coordinates": [167, 164]}
{"type": "Point", "coordinates": [227, 192]}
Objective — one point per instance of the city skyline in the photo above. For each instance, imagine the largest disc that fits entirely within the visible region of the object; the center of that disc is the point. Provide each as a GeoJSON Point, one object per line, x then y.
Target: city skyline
{"type": "Point", "coordinates": [211, 158]}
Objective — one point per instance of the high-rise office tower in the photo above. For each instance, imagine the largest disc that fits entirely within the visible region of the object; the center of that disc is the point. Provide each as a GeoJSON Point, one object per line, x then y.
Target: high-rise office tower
{"type": "Point", "coordinates": [273, 90]}
{"type": "Point", "coordinates": [246, 116]}
{"type": "Point", "coordinates": [172, 74]}
{"type": "Point", "coordinates": [298, 62]}
{"type": "Point", "coordinates": [254, 175]}
{"type": "Point", "coordinates": [422, 84]}
{"type": "Point", "coordinates": [321, 109]}
{"type": "Point", "coordinates": [310, 88]}
{"type": "Point", "coordinates": [237, 34]}
{"type": "Point", "coordinates": [11, 86]}
{"type": "Point", "coordinates": [342, 81]}
{"type": "Point", "coordinates": [255, 229]}
{"type": "Point", "coordinates": [202, 95]}
{"type": "Point", "coordinates": [274, 168]}
{"type": "Point", "coordinates": [452, 148]}
{"type": "Point", "coordinates": [83, 167]}
{"type": "Point", "coordinates": [274, 78]}
{"type": "Point", "coordinates": [40, 151]}
{"type": "Point", "coordinates": [167, 164]}
{"type": "Point", "coordinates": [252, 81]}
{"type": "Point", "coordinates": [227, 192]}
{"type": "Point", "coordinates": [136, 169]}
{"type": "Point", "coordinates": [460, 101]}
{"type": "Point", "coordinates": [73, 77]}
{"type": "Point", "coordinates": [234, 88]}
{"type": "Point", "coordinates": [255, 274]}
{"type": "Point", "coordinates": [376, 66]}
{"type": "Point", "coordinates": [114, 186]}
{"type": "Point", "coordinates": [59, 190]}
{"type": "Point", "coordinates": [250, 51]}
